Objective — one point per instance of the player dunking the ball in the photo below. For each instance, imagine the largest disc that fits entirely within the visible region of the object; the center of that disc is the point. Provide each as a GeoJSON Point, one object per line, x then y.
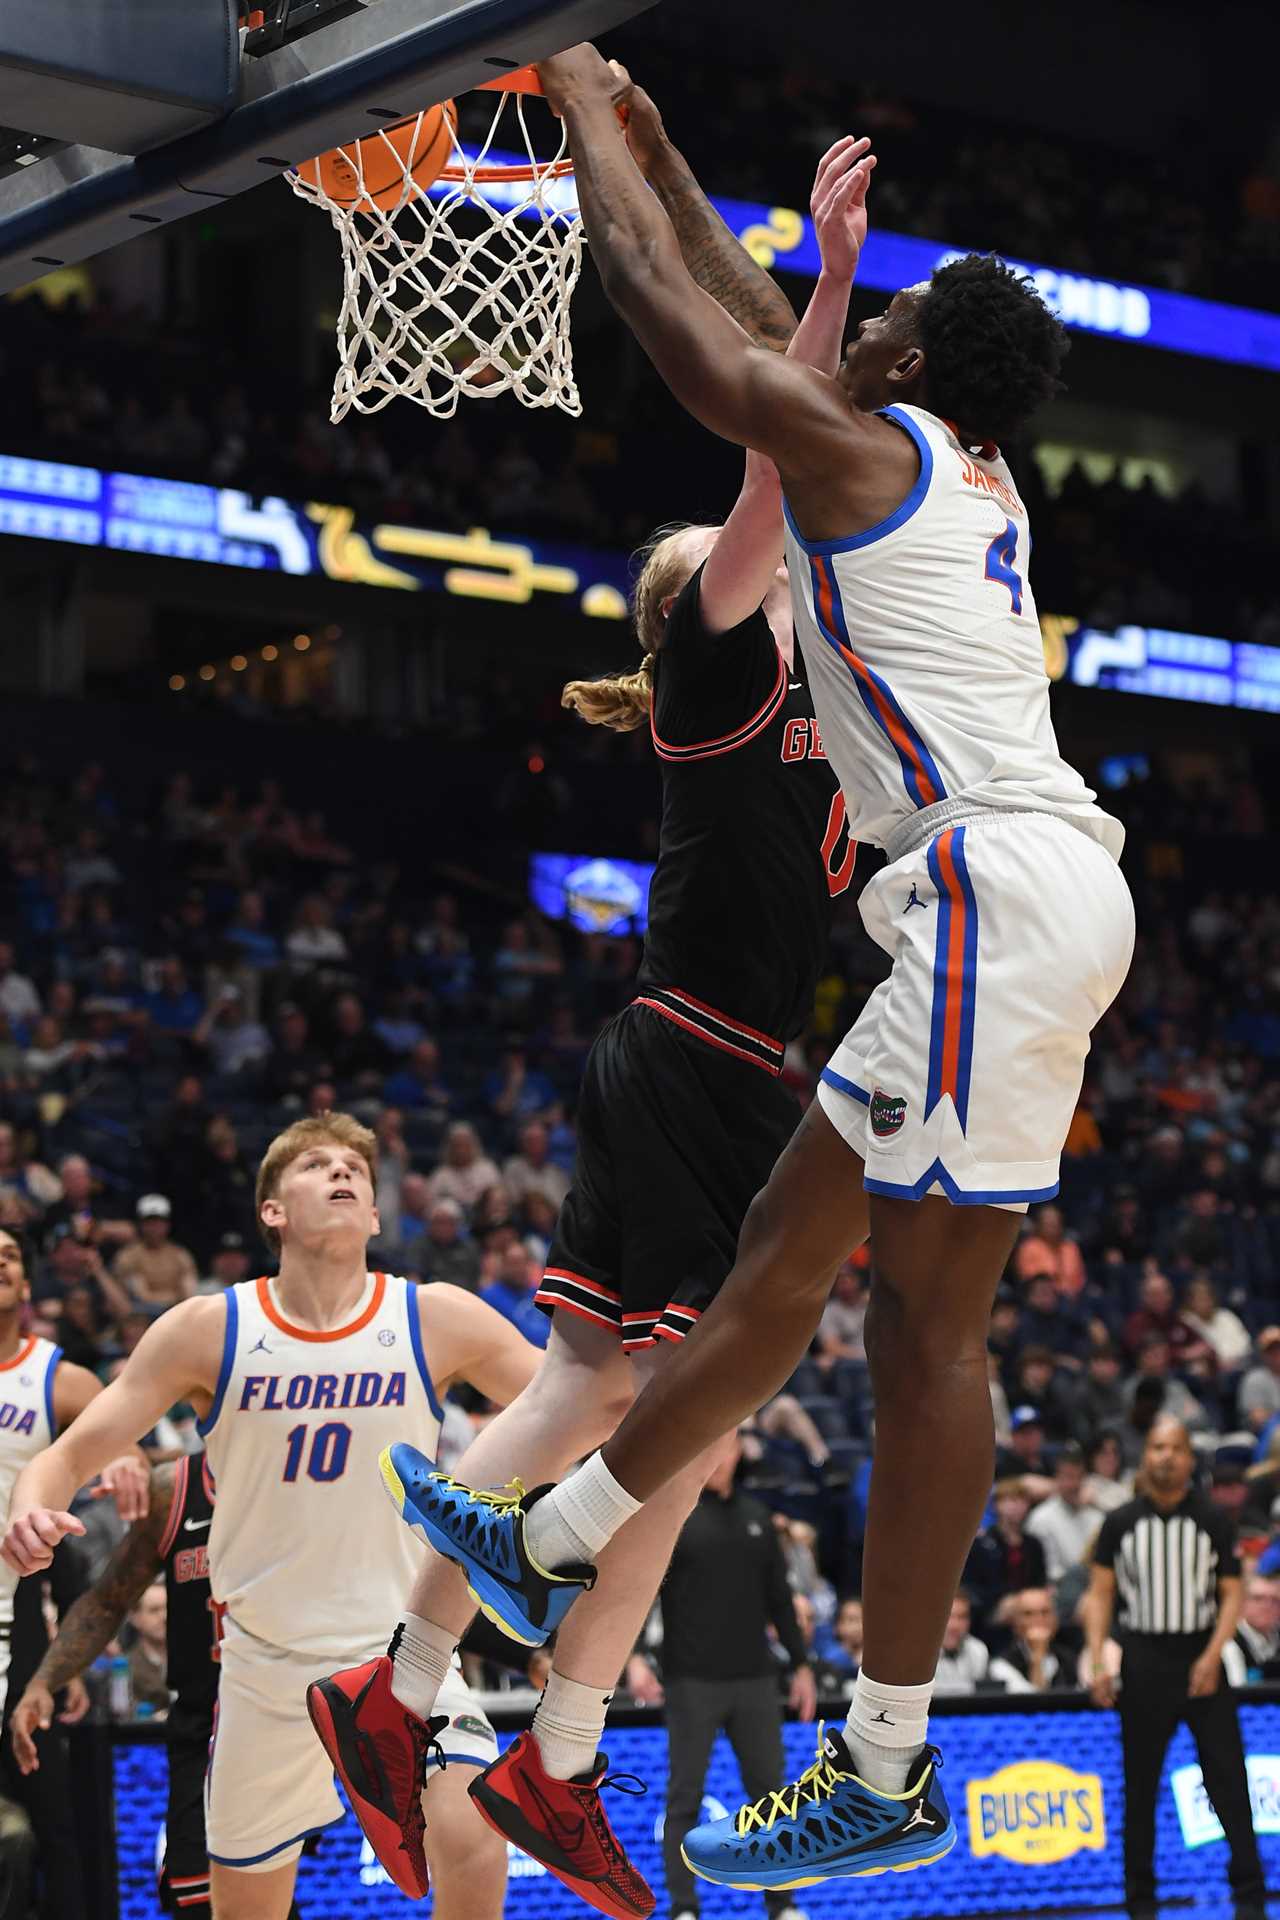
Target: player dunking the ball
{"type": "Point", "coordinates": [682, 1113]}
{"type": "Point", "coordinates": [299, 1383]}
{"type": "Point", "coordinates": [944, 1110]}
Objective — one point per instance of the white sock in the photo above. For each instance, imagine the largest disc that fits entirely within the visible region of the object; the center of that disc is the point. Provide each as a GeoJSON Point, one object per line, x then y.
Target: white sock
{"type": "Point", "coordinates": [577, 1519]}
{"type": "Point", "coordinates": [568, 1724]}
{"type": "Point", "coordinates": [885, 1731]}
{"type": "Point", "coordinates": [422, 1656]}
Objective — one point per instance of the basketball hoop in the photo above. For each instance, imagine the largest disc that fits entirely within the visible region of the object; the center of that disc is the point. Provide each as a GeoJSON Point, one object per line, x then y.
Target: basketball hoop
{"type": "Point", "coordinates": [457, 269]}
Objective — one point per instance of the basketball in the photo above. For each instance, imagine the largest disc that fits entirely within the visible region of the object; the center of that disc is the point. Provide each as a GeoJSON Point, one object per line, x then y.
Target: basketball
{"type": "Point", "coordinates": [372, 172]}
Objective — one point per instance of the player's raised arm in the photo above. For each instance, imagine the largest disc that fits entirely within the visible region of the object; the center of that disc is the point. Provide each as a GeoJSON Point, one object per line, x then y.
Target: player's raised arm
{"type": "Point", "coordinates": [176, 1359]}
{"type": "Point", "coordinates": [756, 398]}
{"type": "Point", "coordinates": [714, 256]}
{"type": "Point", "coordinates": [742, 564]}
{"type": "Point", "coordinates": [838, 204]}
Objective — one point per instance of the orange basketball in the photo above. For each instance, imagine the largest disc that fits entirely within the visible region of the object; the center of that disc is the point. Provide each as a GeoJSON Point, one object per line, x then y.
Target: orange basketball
{"type": "Point", "coordinates": [418, 147]}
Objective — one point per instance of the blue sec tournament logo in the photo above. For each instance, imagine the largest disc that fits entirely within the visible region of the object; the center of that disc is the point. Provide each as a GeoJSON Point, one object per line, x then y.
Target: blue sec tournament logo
{"type": "Point", "coordinates": [601, 895]}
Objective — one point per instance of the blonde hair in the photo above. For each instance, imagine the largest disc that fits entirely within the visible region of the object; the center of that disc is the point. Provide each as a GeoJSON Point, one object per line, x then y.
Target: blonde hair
{"type": "Point", "coordinates": [621, 700]}
{"type": "Point", "coordinates": [298, 1139]}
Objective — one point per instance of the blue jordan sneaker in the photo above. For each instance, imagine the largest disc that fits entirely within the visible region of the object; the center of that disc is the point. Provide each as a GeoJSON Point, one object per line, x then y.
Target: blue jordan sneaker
{"type": "Point", "coordinates": [483, 1533]}
{"type": "Point", "coordinates": [828, 1825]}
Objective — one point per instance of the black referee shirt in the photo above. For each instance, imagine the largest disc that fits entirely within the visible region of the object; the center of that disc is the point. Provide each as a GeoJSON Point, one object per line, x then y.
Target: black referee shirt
{"type": "Point", "coordinates": [726, 1585]}
{"type": "Point", "coordinates": [1168, 1564]}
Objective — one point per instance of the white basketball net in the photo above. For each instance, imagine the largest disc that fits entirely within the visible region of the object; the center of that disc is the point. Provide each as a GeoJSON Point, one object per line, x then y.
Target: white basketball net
{"type": "Point", "coordinates": [466, 293]}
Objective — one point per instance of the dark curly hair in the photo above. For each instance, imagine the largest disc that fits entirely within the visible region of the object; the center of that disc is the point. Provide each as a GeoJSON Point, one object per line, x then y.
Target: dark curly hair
{"type": "Point", "coordinates": [992, 347]}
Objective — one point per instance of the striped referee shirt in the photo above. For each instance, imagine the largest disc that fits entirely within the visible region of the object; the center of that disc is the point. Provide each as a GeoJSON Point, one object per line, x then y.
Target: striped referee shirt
{"type": "Point", "coordinates": [1167, 1564]}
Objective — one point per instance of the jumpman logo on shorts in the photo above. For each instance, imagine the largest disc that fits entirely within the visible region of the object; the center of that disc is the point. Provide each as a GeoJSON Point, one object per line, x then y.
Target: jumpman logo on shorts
{"type": "Point", "coordinates": [914, 900]}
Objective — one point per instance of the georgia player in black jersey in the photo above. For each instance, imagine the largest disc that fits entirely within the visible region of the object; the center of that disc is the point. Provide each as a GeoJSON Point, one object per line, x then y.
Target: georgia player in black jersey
{"type": "Point", "coordinates": [170, 1542]}
{"type": "Point", "coordinates": [682, 1112]}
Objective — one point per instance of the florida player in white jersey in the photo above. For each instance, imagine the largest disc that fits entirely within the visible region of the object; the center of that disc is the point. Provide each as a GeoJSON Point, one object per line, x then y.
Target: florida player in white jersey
{"type": "Point", "coordinates": [1008, 924]}
{"type": "Point", "coordinates": [299, 1383]}
{"type": "Point", "coordinates": [40, 1395]}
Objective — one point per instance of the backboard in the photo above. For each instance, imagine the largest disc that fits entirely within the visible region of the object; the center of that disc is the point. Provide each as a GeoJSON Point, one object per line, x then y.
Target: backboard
{"type": "Point", "coordinates": [375, 63]}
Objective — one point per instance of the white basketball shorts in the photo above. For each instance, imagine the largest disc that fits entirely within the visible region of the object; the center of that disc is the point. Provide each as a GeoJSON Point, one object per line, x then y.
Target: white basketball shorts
{"type": "Point", "coordinates": [269, 1783]}
{"type": "Point", "coordinates": [1010, 935]}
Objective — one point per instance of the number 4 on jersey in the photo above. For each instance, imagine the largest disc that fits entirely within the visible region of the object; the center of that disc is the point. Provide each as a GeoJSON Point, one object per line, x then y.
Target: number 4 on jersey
{"type": "Point", "coordinates": [1001, 555]}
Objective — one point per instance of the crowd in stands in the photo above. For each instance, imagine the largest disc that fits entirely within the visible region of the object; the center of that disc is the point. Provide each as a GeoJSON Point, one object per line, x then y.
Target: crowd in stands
{"type": "Point", "coordinates": [1075, 203]}
{"type": "Point", "coordinates": [180, 980]}
{"type": "Point", "coordinates": [1106, 552]}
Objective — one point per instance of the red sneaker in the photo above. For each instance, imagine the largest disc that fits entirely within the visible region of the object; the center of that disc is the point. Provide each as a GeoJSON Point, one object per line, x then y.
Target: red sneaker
{"type": "Point", "coordinates": [379, 1752]}
{"type": "Point", "coordinates": [562, 1824]}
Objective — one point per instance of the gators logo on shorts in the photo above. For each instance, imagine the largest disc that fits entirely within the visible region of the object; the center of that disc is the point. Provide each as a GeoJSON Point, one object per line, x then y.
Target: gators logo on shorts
{"type": "Point", "coordinates": [472, 1723]}
{"type": "Point", "coordinates": [887, 1111]}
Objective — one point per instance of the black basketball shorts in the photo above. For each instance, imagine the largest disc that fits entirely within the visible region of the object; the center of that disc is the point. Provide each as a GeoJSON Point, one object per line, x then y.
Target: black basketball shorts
{"type": "Point", "coordinates": [676, 1136]}
{"type": "Point", "coordinates": [184, 1878]}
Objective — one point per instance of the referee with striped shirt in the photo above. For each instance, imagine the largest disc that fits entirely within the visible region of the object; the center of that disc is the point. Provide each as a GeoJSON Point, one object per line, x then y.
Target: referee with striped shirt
{"type": "Point", "coordinates": [1170, 1558]}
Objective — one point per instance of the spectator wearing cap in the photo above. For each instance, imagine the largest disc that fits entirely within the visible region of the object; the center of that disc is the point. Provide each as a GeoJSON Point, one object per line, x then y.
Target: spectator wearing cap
{"type": "Point", "coordinates": [465, 1171]}
{"type": "Point", "coordinates": [229, 1265]}
{"type": "Point", "coordinates": [1259, 1397]}
{"type": "Point", "coordinates": [1048, 1248]}
{"type": "Point", "coordinates": [1099, 1396]}
{"type": "Point", "coordinates": [532, 1169]}
{"type": "Point", "coordinates": [1004, 1558]}
{"type": "Point", "coordinates": [964, 1659]}
{"type": "Point", "coordinates": [157, 1271]}
{"type": "Point", "coordinates": [1036, 1660]}
{"type": "Point", "coordinates": [1155, 1365]}
{"type": "Point", "coordinates": [443, 1252]}
{"type": "Point", "coordinates": [1066, 1523]}
{"type": "Point", "coordinates": [1025, 1454]}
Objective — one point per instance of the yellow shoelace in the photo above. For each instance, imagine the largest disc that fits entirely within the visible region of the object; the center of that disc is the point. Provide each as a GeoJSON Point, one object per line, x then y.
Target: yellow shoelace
{"type": "Point", "coordinates": [504, 1498]}
{"type": "Point", "coordinates": [816, 1783]}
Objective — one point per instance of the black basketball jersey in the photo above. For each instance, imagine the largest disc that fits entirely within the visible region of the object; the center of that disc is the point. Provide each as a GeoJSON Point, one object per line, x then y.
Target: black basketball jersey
{"type": "Point", "coordinates": [754, 845]}
{"type": "Point", "coordinates": [194, 1627]}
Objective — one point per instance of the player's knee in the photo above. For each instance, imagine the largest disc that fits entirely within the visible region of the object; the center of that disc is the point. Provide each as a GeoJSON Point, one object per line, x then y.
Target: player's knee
{"type": "Point", "coordinates": [465, 1855]}
{"type": "Point", "coordinates": [773, 1254]}
{"type": "Point", "coordinates": [909, 1343]}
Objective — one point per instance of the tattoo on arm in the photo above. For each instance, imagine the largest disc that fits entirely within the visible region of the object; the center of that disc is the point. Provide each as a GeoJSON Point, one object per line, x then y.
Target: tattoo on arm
{"type": "Point", "coordinates": [720, 264]}
{"type": "Point", "coordinates": [97, 1615]}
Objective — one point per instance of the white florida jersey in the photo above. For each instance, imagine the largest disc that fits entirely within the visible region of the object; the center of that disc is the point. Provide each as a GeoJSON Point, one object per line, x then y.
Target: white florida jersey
{"type": "Point", "coordinates": [27, 1424]}
{"type": "Point", "coordinates": [924, 654]}
{"type": "Point", "coordinates": [306, 1551]}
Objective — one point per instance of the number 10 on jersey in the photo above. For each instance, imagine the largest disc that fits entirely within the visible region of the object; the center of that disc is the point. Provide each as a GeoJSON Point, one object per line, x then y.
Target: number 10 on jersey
{"type": "Point", "coordinates": [325, 1456]}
